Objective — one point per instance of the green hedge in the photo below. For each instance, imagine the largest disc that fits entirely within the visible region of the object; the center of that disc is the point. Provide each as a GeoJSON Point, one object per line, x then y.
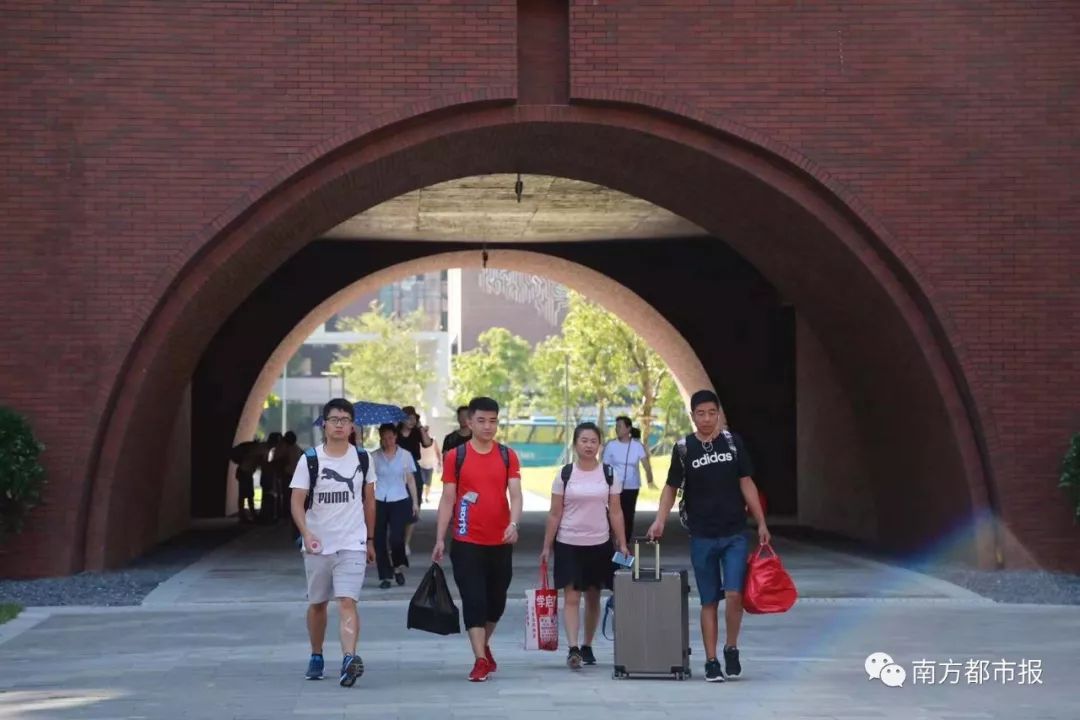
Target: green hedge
{"type": "Point", "coordinates": [1070, 475]}
{"type": "Point", "coordinates": [21, 474]}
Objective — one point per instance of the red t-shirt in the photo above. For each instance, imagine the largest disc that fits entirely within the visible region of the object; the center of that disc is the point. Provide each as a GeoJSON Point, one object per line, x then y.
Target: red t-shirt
{"type": "Point", "coordinates": [483, 520]}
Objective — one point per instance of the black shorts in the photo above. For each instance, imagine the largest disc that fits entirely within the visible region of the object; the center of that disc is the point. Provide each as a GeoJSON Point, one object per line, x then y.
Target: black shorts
{"type": "Point", "coordinates": [482, 574]}
{"type": "Point", "coordinates": [584, 567]}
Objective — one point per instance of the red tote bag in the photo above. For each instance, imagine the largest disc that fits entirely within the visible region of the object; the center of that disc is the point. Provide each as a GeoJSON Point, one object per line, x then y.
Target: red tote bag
{"type": "Point", "coordinates": [769, 588]}
{"type": "Point", "coordinates": [542, 615]}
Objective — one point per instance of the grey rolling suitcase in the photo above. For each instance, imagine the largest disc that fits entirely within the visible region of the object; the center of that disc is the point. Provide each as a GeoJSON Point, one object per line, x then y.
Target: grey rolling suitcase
{"type": "Point", "coordinates": [652, 621]}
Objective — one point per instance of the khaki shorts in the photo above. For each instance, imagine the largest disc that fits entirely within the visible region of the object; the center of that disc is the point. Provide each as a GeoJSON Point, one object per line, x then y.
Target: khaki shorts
{"type": "Point", "coordinates": [335, 576]}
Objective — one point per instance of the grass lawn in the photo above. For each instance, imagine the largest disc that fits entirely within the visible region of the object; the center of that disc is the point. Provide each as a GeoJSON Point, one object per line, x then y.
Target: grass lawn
{"type": "Point", "coordinates": [537, 480]}
{"type": "Point", "coordinates": [8, 611]}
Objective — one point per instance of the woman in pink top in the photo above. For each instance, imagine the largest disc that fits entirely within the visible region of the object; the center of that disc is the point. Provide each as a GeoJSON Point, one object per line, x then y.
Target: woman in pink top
{"type": "Point", "coordinates": [579, 527]}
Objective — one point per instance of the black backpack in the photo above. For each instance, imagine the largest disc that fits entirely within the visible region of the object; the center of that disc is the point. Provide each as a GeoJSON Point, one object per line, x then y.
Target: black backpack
{"type": "Point", "coordinates": [459, 459]}
{"type": "Point", "coordinates": [568, 469]}
{"type": "Point", "coordinates": [313, 472]}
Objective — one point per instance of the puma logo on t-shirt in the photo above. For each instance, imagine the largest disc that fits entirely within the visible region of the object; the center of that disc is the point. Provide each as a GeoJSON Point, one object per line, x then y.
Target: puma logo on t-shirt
{"type": "Point", "coordinates": [329, 474]}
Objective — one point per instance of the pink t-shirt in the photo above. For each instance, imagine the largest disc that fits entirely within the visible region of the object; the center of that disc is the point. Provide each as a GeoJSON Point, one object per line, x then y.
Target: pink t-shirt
{"type": "Point", "coordinates": [584, 519]}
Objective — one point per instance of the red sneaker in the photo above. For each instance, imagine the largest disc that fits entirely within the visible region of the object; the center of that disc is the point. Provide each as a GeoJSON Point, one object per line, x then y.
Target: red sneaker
{"type": "Point", "coordinates": [492, 665]}
{"type": "Point", "coordinates": [480, 670]}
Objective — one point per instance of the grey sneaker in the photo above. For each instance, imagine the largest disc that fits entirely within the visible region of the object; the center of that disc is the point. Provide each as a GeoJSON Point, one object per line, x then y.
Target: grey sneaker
{"type": "Point", "coordinates": [574, 659]}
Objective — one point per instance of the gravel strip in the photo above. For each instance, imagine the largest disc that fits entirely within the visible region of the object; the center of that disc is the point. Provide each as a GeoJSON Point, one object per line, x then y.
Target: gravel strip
{"type": "Point", "coordinates": [1014, 586]}
{"type": "Point", "coordinates": [120, 587]}
{"type": "Point", "coordinates": [1038, 587]}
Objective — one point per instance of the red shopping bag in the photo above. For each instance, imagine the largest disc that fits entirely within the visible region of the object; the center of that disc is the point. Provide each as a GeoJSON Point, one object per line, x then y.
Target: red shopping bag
{"type": "Point", "coordinates": [542, 615]}
{"type": "Point", "coordinates": [769, 589]}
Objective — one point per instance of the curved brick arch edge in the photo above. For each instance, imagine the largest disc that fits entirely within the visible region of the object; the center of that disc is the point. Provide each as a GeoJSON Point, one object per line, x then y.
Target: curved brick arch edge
{"type": "Point", "coordinates": [654, 328]}
{"type": "Point", "coordinates": [420, 151]}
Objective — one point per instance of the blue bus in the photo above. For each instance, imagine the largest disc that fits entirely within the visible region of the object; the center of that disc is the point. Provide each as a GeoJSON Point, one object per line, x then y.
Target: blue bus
{"type": "Point", "coordinates": [540, 441]}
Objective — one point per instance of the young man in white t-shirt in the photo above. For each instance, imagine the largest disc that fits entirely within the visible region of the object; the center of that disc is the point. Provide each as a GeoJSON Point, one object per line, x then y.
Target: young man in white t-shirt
{"type": "Point", "coordinates": [624, 454]}
{"type": "Point", "coordinates": [337, 532]}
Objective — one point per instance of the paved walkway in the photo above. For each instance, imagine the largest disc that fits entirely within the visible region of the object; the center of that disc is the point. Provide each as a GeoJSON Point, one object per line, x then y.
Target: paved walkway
{"type": "Point", "coordinates": [225, 639]}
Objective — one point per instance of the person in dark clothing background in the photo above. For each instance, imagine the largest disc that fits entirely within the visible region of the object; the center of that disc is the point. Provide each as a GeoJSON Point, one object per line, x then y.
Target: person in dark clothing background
{"type": "Point", "coordinates": [461, 435]}
{"type": "Point", "coordinates": [411, 436]}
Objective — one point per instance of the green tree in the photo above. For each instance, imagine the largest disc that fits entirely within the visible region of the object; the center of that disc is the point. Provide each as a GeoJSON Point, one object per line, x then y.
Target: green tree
{"type": "Point", "coordinates": [498, 367]}
{"type": "Point", "coordinates": [672, 410]}
{"type": "Point", "coordinates": [643, 369]}
{"type": "Point", "coordinates": [550, 375]}
{"type": "Point", "coordinates": [1070, 475]}
{"type": "Point", "coordinates": [390, 367]}
{"type": "Point", "coordinates": [270, 418]}
{"type": "Point", "coordinates": [21, 475]}
{"type": "Point", "coordinates": [598, 370]}
{"type": "Point", "coordinates": [610, 364]}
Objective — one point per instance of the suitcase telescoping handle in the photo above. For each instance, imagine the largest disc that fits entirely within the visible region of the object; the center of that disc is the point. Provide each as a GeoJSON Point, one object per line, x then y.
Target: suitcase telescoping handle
{"type": "Point", "coordinates": [637, 557]}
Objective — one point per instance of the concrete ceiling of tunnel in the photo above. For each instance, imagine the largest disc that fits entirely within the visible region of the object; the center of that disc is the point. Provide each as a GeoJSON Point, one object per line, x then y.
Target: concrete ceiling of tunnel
{"type": "Point", "coordinates": [484, 208]}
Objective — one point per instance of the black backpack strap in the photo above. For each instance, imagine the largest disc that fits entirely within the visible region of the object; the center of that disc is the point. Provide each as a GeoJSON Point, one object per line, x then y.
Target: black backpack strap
{"type": "Point", "coordinates": [459, 461]}
{"type": "Point", "coordinates": [567, 470]}
{"type": "Point", "coordinates": [365, 461]}
{"type": "Point", "coordinates": [684, 518]}
{"type": "Point", "coordinates": [680, 446]}
{"type": "Point", "coordinates": [730, 439]}
{"type": "Point", "coordinates": [312, 458]}
{"type": "Point", "coordinates": [609, 474]}
{"type": "Point", "coordinates": [505, 452]}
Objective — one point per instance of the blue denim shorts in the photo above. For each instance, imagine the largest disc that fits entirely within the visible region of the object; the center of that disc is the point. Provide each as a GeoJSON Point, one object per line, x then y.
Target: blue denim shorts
{"type": "Point", "coordinates": [719, 564]}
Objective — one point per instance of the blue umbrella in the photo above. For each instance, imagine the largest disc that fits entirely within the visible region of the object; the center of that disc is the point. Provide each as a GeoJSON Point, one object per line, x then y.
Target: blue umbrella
{"type": "Point", "coordinates": [369, 413]}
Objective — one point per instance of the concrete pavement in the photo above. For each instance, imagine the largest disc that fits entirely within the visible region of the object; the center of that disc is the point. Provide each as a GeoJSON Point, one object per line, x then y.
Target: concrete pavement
{"type": "Point", "coordinates": [226, 639]}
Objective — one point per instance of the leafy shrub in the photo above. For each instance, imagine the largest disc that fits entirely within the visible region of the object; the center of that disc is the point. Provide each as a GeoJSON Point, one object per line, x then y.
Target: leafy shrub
{"type": "Point", "coordinates": [1070, 474]}
{"type": "Point", "coordinates": [21, 475]}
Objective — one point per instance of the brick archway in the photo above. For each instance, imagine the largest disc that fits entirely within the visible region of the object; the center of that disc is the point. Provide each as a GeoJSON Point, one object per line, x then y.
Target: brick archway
{"type": "Point", "coordinates": [868, 304]}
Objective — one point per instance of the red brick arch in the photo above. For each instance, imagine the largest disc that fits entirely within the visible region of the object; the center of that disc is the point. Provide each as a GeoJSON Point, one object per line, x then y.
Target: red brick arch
{"type": "Point", "coordinates": [852, 282]}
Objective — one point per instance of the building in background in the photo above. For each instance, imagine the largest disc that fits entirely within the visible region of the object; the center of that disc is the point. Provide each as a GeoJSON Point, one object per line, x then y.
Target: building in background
{"type": "Point", "coordinates": [529, 306]}
{"type": "Point", "coordinates": [458, 305]}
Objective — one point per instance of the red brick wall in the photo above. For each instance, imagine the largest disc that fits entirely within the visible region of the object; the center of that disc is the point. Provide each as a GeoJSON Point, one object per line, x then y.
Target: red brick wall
{"type": "Point", "coordinates": [955, 123]}
{"type": "Point", "coordinates": [129, 128]}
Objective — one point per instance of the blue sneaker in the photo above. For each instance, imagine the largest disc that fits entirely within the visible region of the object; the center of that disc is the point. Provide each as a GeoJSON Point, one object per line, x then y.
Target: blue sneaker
{"type": "Point", "coordinates": [314, 668]}
{"type": "Point", "coordinates": [352, 667]}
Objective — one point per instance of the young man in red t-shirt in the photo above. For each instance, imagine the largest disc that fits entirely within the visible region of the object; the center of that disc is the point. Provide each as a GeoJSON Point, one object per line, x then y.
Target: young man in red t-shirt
{"type": "Point", "coordinates": [485, 527]}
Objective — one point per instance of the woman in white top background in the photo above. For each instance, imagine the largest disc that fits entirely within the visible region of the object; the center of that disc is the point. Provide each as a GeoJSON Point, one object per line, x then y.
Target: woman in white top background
{"type": "Point", "coordinates": [396, 503]}
{"type": "Point", "coordinates": [625, 454]}
{"type": "Point", "coordinates": [429, 462]}
{"type": "Point", "coordinates": [584, 513]}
